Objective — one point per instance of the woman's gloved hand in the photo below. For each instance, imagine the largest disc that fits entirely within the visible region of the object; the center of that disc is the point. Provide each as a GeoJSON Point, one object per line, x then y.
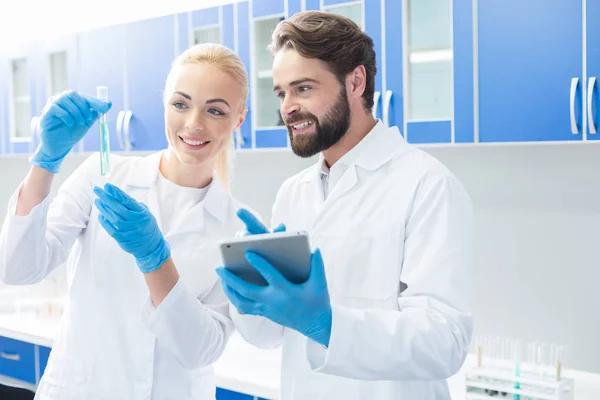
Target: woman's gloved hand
{"type": "Point", "coordinates": [133, 226]}
{"type": "Point", "coordinates": [65, 120]}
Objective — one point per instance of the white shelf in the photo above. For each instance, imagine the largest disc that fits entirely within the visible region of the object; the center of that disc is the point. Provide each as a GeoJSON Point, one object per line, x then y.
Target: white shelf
{"type": "Point", "coordinates": [431, 56]}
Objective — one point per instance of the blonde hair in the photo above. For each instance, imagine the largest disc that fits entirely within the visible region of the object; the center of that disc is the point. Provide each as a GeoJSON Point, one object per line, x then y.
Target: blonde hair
{"type": "Point", "coordinates": [229, 62]}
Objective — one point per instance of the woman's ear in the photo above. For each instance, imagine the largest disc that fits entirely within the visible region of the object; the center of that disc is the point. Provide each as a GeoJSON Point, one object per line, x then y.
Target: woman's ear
{"type": "Point", "coordinates": [242, 118]}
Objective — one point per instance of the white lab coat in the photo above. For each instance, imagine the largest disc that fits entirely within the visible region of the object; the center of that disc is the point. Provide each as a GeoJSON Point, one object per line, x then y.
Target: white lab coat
{"type": "Point", "coordinates": [396, 217]}
{"type": "Point", "coordinates": [106, 344]}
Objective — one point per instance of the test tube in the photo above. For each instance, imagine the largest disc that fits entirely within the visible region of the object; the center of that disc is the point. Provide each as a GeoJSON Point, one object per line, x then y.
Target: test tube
{"type": "Point", "coordinates": [516, 350]}
{"type": "Point", "coordinates": [102, 94]}
{"type": "Point", "coordinates": [561, 353]}
{"type": "Point", "coordinates": [477, 341]}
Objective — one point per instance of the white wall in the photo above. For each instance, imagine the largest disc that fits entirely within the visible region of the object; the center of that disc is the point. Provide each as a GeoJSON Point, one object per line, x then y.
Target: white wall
{"type": "Point", "coordinates": [538, 234]}
{"type": "Point", "coordinates": [24, 20]}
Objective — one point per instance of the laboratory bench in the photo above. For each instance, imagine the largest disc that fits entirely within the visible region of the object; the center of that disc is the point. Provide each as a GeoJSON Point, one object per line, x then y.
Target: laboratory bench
{"type": "Point", "coordinates": [242, 373]}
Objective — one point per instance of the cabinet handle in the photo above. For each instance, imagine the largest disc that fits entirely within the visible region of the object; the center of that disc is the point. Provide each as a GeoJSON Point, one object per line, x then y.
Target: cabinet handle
{"type": "Point", "coordinates": [126, 136]}
{"type": "Point", "coordinates": [120, 118]}
{"type": "Point", "coordinates": [376, 97]}
{"type": "Point", "coordinates": [574, 127]}
{"type": "Point", "coordinates": [11, 357]}
{"type": "Point", "coordinates": [386, 107]}
{"type": "Point", "coordinates": [590, 99]}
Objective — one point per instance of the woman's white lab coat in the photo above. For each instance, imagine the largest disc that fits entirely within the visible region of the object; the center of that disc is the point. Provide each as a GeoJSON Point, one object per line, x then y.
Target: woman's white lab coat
{"type": "Point", "coordinates": [111, 333]}
{"type": "Point", "coordinates": [396, 234]}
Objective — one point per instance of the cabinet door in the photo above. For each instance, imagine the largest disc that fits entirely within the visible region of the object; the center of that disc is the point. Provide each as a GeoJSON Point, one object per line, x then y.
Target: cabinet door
{"type": "Point", "coordinates": [206, 26]}
{"type": "Point", "coordinates": [392, 96]}
{"type": "Point", "coordinates": [242, 11]}
{"type": "Point", "coordinates": [4, 96]}
{"type": "Point", "coordinates": [17, 360]}
{"type": "Point", "coordinates": [57, 72]}
{"type": "Point", "coordinates": [530, 70]}
{"type": "Point", "coordinates": [20, 74]}
{"type": "Point", "coordinates": [224, 394]}
{"type": "Point", "coordinates": [44, 355]}
{"type": "Point", "coordinates": [593, 69]}
{"type": "Point", "coordinates": [269, 130]}
{"type": "Point", "coordinates": [148, 62]}
{"type": "Point", "coordinates": [101, 63]}
{"type": "Point", "coordinates": [428, 74]}
{"type": "Point", "coordinates": [264, 8]}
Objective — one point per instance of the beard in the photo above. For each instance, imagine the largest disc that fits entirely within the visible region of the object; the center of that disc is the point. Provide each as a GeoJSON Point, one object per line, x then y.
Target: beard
{"type": "Point", "coordinates": [328, 130]}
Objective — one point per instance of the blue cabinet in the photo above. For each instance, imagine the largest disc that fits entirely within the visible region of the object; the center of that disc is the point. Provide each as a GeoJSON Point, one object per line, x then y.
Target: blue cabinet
{"type": "Point", "coordinates": [43, 354]}
{"type": "Point", "coordinates": [531, 77]}
{"type": "Point", "coordinates": [26, 362]}
{"type": "Point", "coordinates": [147, 64]}
{"type": "Point", "coordinates": [57, 73]}
{"type": "Point", "coordinates": [134, 69]}
{"type": "Point", "coordinates": [427, 70]}
{"type": "Point", "coordinates": [17, 360]}
{"type": "Point", "coordinates": [101, 62]}
{"type": "Point", "coordinates": [593, 69]}
{"type": "Point", "coordinates": [20, 82]}
{"type": "Point", "coordinates": [530, 70]}
{"type": "Point", "coordinates": [243, 50]}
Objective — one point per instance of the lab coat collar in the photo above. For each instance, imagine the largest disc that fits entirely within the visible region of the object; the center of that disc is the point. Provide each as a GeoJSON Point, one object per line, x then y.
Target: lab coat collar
{"type": "Point", "coordinates": [217, 200]}
{"type": "Point", "coordinates": [383, 144]}
{"type": "Point", "coordinates": [145, 175]}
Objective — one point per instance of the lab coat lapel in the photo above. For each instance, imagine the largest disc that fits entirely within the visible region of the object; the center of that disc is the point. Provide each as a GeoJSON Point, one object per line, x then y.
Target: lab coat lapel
{"type": "Point", "coordinates": [314, 201]}
{"type": "Point", "coordinates": [385, 144]}
{"type": "Point", "coordinates": [347, 182]}
{"type": "Point", "coordinates": [215, 203]}
{"type": "Point", "coordinates": [141, 184]}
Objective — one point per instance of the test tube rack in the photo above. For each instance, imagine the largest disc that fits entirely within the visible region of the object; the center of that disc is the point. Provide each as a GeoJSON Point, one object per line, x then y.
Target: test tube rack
{"type": "Point", "coordinates": [496, 382]}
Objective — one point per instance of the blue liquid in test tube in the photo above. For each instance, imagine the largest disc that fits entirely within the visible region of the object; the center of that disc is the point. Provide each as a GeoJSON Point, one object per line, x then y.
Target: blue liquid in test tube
{"type": "Point", "coordinates": [102, 94]}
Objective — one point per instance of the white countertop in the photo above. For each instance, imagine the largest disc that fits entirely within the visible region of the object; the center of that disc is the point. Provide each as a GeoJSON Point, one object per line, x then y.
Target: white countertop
{"type": "Point", "coordinates": [246, 369]}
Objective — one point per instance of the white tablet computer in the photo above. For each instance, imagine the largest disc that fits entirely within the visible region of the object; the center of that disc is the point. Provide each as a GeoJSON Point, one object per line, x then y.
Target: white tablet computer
{"type": "Point", "coordinates": [288, 252]}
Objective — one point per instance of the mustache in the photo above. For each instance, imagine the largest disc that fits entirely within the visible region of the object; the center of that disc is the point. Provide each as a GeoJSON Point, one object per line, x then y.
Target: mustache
{"type": "Point", "coordinates": [299, 117]}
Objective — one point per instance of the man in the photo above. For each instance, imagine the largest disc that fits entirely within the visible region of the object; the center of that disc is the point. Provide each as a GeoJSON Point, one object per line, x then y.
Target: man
{"type": "Point", "coordinates": [386, 312]}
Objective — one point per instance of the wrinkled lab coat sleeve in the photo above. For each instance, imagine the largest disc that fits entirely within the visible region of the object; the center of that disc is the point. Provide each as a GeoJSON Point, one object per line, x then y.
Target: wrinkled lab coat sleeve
{"type": "Point", "coordinates": [428, 337]}
{"type": "Point", "coordinates": [195, 330]}
{"type": "Point", "coordinates": [31, 246]}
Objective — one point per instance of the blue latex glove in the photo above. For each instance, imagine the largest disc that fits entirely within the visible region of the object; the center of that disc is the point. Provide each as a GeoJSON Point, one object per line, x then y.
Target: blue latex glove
{"type": "Point", "coordinates": [303, 307]}
{"type": "Point", "coordinates": [64, 121]}
{"type": "Point", "coordinates": [253, 225]}
{"type": "Point", "coordinates": [133, 226]}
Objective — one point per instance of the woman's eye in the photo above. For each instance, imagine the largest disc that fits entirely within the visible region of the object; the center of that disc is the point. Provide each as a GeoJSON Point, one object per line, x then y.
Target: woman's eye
{"type": "Point", "coordinates": [214, 111]}
{"type": "Point", "coordinates": [179, 105]}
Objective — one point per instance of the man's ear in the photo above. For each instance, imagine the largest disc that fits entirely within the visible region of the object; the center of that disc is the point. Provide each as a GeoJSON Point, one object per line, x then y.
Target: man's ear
{"type": "Point", "coordinates": [356, 82]}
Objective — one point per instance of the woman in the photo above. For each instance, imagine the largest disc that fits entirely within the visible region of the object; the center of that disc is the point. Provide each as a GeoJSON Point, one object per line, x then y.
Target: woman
{"type": "Point", "coordinates": [146, 316]}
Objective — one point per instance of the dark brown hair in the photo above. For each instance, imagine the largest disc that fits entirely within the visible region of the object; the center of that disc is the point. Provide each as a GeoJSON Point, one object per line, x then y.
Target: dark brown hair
{"type": "Point", "coordinates": [333, 39]}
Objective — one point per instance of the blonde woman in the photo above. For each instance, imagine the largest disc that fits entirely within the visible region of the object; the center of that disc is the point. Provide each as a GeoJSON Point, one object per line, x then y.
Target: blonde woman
{"type": "Point", "coordinates": [146, 315]}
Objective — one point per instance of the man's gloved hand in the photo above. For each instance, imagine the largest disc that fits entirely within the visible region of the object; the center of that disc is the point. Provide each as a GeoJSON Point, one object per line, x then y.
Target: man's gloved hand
{"type": "Point", "coordinates": [65, 120]}
{"type": "Point", "coordinates": [303, 307]}
{"type": "Point", "coordinates": [253, 225]}
{"type": "Point", "coordinates": [133, 226]}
